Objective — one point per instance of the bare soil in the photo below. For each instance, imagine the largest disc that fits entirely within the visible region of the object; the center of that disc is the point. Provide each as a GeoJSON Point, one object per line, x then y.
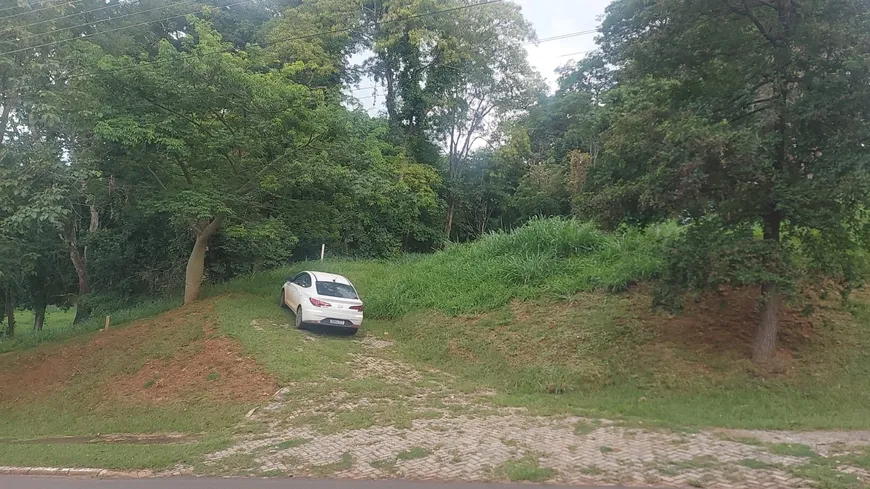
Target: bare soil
{"type": "Point", "coordinates": [218, 372]}
{"type": "Point", "coordinates": [210, 368]}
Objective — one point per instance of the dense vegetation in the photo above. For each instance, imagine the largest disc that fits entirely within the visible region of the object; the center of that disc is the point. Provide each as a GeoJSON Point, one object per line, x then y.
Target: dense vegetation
{"type": "Point", "coordinates": [150, 147]}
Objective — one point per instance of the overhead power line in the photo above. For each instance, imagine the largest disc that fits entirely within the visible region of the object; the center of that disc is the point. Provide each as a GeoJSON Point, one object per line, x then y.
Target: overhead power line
{"type": "Point", "coordinates": [63, 41]}
{"type": "Point", "coordinates": [108, 19]}
{"type": "Point", "coordinates": [577, 53]}
{"type": "Point", "coordinates": [296, 38]}
{"type": "Point", "coordinates": [564, 36]}
{"type": "Point", "coordinates": [33, 11]}
{"type": "Point", "coordinates": [560, 37]}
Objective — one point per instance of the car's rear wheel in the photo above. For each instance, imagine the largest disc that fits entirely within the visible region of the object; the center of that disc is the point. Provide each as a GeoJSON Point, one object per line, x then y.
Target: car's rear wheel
{"type": "Point", "coordinates": [283, 303]}
{"type": "Point", "coordinates": [299, 317]}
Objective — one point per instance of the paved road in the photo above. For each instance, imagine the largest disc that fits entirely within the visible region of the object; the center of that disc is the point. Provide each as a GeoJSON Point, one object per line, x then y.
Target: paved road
{"type": "Point", "coordinates": [14, 482]}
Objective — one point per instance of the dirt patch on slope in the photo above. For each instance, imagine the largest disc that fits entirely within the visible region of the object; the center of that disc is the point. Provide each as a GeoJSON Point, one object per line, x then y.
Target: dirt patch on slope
{"type": "Point", "coordinates": [217, 372]}
{"type": "Point", "coordinates": [46, 370]}
{"type": "Point", "coordinates": [726, 322]}
{"type": "Point", "coordinates": [40, 372]}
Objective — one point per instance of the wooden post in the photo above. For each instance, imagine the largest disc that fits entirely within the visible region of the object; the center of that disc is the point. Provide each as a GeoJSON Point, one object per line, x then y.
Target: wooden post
{"type": "Point", "coordinates": [322, 251]}
{"type": "Point", "coordinates": [108, 320]}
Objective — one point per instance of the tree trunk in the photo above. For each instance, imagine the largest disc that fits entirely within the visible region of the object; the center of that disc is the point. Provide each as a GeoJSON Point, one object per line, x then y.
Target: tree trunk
{"type": "Point", "coordinates": [10, 312]}
{"type": "Point", "coordinates": [196, 263]}
{"type": "Point", "coordinates": [82, 310]}
{"type": "Point", "coordinates": [448, 224]}
{"type": "Point", "coordinates": [38, 317]}
{"type": "Point", "coordinates": [765, 339]}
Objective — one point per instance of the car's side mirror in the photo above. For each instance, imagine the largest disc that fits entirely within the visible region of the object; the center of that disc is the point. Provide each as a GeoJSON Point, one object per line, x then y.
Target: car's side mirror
{"type": "Point", "coordinates": [288, 279]}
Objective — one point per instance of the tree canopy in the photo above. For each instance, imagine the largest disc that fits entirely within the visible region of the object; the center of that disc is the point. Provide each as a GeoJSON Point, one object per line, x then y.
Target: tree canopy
{"type": "Point", "coordinates": [150, 147]}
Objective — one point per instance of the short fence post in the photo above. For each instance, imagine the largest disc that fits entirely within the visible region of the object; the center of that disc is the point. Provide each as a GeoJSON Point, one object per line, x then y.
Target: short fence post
{"type": "Point", "coordinates": [322, 251]}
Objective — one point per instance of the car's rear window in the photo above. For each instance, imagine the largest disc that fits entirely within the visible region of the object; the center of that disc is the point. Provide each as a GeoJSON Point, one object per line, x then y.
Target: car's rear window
{"type": "Point", "coordinates": [335, 289]}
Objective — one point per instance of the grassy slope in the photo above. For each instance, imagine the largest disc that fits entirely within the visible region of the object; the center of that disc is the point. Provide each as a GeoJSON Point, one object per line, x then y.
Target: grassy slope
{"type": "Point", "coordinates": [71, 389]}
{"type": "Point", "coordinates": [517, 312]}
{"type": "Point", "coordinates": [525, 314]}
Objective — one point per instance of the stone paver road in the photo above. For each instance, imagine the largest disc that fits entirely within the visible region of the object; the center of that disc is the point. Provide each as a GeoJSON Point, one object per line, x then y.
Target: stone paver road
{"type": "Point", "coordinates": [453, 437]}
{"type": "Point", "coordinates": [12, 482]}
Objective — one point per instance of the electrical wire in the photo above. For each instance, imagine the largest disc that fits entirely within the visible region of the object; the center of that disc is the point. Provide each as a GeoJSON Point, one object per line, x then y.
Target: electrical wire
{"type": "Point", "coordinates": [531, 43]}
{"type": "Point", "coordinates": [97, 21]}
{"type": "Point", "coordinates": [73, 2]}
{"type": "Point", "coordinates": [307, 36]}
{"type": "Point", "coordinates": [62, 41]}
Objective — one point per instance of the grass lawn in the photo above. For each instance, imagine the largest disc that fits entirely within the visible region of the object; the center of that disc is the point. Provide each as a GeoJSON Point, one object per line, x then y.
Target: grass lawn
{"type": "Point", "coordinates": [54, 319]}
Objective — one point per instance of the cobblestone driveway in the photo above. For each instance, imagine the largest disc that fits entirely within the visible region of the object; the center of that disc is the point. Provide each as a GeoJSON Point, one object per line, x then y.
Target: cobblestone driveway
{"type": "Point", "coordinates": [448, 436]}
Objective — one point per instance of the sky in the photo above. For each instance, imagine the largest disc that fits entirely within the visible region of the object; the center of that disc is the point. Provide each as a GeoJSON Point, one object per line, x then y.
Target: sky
{"type": "Point", "coordinates": [550, 18]}
{"type": "Point", "coordinates": [557, 17]}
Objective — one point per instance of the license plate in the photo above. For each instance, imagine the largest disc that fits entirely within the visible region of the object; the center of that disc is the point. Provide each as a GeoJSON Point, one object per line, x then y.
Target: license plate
{"type": "Point", "coordinates": [336, 321]}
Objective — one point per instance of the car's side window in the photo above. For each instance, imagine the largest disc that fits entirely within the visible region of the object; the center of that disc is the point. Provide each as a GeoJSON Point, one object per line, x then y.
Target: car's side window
{"type": "Point", "coordinates": [303, 280]}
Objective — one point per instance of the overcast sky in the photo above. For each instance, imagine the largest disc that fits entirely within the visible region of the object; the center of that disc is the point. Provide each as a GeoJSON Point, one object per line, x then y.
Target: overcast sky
{"type": "Point", "coordinates": [557, 17]}
{"type": "Point", "coordinates": [550, 18]}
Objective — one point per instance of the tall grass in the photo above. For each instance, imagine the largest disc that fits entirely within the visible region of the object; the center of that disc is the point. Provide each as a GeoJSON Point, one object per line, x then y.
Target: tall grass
{"type": "Point", "coordinates": [546, 257]}
{"type": "Point", "coordinates": [556, 257]}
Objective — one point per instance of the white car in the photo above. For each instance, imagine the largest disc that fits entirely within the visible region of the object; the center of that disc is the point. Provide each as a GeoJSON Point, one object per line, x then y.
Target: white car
{"type": "Point", "coordinates": [323, 298]}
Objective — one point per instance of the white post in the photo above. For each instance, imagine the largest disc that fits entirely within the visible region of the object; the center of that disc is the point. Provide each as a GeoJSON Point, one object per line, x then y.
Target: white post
{"type": "Point", "coordinates": [322, 251]}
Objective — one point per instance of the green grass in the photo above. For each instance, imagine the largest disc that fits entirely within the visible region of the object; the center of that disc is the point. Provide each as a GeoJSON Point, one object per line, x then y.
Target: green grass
{"type": "Point", "coordinates": [530, 322]}
{"type": "Point", "coordinates": [759, 465]}
{"type": "Point", "coordinates": [278, 347]}
{"type": "Point", "coordinates": [86, 404]}
{"type": "Point", "coordinates": [114, 456]}
{"type": "Point", "coordinates": [413, 453]}
{"type": "Point", "coordinates": [345, 463]}
{"type": "Point", "coordinates": [526, 469]}
{"type": "Point", "coordinates": [551, 258]}
{"type": "Point", "coordinates": [823, 476]}
{"type": "Point", "coordinates": [292, 443]}
{"type": "Point", "coordinates": [387, 465]}
{"type": "Point", "coordinates": [791, 449]}
{"type": "Point", "coordinates": [55, 318]}
{"type": "Point", "coordinates": [58, 324]}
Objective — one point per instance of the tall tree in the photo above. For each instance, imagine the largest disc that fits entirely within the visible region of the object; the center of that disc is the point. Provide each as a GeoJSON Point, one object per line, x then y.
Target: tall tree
{"type": "Point", "coordinates": [209, 133]}
{"type": "Point", "coordinates": [737, 116]}
{"type": "Point", "coordinates": [450, 77]}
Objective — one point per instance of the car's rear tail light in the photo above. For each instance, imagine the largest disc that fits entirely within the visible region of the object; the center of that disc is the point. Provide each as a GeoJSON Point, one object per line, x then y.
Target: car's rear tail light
{"type": "Point", "coordinates": [318, 303]}
{"type": "Point", "coordinates": [357, 308]}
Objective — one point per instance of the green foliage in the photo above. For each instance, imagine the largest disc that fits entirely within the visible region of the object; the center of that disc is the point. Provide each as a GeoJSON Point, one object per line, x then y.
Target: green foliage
{"type": "Point", "coordinates": [546, 257]}
{"type": "Point", "coordinates": [717, 136]}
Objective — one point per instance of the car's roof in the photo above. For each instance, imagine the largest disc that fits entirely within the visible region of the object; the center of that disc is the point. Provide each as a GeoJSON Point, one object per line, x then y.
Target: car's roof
{"type": "Point", "coordinates": [329, 277]}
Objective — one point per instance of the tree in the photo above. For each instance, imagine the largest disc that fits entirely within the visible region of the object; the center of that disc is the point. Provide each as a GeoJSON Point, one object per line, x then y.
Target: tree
{"type": "Point", "coordinates": [450, 78]}
{"type": "Point", "coordinates": [207, 133]}
{"type": "Point", "coordinates": [748, 120]}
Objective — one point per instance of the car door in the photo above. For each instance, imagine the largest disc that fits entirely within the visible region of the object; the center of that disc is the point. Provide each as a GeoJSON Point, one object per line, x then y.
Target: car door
{"type": "Point", "coordinates": [297, 288]}
{"type": "Point", "coordinates": [291, 290]}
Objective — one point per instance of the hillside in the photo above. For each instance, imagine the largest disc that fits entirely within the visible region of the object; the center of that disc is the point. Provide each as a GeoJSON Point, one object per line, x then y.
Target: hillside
{"type": "Point", "coordinates": [563, 326]}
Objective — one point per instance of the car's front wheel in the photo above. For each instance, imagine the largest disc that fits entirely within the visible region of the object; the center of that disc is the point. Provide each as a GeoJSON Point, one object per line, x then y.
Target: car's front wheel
{"type": "Point", "coordinates": [299, 317]}
{"type": "Point", "coordinates": [283, 303]}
